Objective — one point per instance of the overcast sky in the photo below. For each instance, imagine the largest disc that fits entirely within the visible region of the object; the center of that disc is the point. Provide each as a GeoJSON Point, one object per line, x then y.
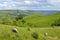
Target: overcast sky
{"type": "Point", "coordinates": [30, 4]}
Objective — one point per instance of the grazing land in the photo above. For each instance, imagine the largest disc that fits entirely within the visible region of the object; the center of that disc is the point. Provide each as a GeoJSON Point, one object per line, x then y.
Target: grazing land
{"type": "Point", "coordinates": [24, 34]}
{"type": "Point", "coordinates": [30, 25]}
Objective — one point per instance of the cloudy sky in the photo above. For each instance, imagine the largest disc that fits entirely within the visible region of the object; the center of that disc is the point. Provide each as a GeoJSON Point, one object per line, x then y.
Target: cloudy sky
{"type": "Point", "coordinates": [30, 4]}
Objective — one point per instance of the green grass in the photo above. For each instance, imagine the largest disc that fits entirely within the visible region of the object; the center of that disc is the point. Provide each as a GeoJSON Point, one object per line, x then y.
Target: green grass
{"type": "Point", "coordinates": [35, 23]}
{"type": "Point", "coordinates": [23, 33]}
{"type": "Point", "coordinates": [41, 21]}
{"type": "Point", "coordinates": [32, 20]}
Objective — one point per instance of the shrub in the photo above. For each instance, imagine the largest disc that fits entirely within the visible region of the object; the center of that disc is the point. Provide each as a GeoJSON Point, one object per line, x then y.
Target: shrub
{"type": "Point", "coordinates": [35, 35]}
{"type": "Point", "coordinates": [56, 23]}
{"type": "Point", "coordinates": [28, 29]}
{"type": "Point", "coordinates": [23, 21]}
{"type": "Point", "coordinates": [19, 17]}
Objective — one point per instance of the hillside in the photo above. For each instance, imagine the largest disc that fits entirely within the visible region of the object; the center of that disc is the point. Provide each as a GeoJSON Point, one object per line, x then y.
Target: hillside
{"type": "Point", "coordinates": [24, 34]}
{"type": "Point", "coordinates": [41, 21]}
{"type": "Point", "coordinates": [29, 19]}
{"type": "Point", "coordinates": [30, 25]}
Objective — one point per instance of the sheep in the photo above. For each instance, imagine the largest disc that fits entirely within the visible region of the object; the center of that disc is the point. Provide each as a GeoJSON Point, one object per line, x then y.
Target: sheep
{"type": "Point", "coordinates": [45, 34]}
{"type": "Point", "coordinates": [14, 30]}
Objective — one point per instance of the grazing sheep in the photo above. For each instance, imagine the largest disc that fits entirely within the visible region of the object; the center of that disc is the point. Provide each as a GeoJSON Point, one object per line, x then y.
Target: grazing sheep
{"type": "Point", "coordinates": [14, 30]}
{"type": "Point", "coordinates": [45, 34]}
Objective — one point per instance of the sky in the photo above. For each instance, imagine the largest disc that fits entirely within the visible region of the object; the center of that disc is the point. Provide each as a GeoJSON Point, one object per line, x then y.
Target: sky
{"type": "Point", "coordinates": [30, 4]}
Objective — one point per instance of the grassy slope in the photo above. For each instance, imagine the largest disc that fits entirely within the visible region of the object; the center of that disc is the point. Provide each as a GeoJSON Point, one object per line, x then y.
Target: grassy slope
{"type": "Point", "coordinates": [42, 21]}
{"type": "Point", "coordinates": [24, 34]}
{"type": "Point", "coordinates": [35, 20]}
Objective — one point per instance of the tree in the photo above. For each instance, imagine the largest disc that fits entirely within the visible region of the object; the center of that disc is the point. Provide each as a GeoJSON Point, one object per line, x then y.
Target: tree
{"type": "Point", "coordinates": [56, 23]}
{"type": "Point", "coordinates": [19, 16]}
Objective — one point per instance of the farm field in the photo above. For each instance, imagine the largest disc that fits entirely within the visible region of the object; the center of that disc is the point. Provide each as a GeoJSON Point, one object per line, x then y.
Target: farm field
{"type": "Point", "coordinates": [26, 33]}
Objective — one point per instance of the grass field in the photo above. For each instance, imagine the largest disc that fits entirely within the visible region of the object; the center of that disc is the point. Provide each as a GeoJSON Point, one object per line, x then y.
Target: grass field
{"type": "Point", "coordinates": [30, 27]}
{"type": "Point", "coordinates": [25, 34]}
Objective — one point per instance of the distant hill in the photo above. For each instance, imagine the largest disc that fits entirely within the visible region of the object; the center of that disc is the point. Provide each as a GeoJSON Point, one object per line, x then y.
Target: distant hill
{"type": "Point", "coordinates": [12, 13]}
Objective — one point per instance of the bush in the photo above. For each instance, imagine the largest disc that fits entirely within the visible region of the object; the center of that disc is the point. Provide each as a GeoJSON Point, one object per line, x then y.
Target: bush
{"type": "Point", "coordinates": [28, 29]}
{"type": "Point", "coordinates": [19, 17]}
{"type": "Point", "coordinates": [35, 35]}
{"type": "Point", "coordinates": [56, 23]}
{"type": "Point", "coordinates": [23, 21]}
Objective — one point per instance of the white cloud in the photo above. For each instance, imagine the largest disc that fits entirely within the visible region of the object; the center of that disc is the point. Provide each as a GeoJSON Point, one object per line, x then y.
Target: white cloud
{"type": "Point", "coordinates": [31, 2]}
{"type": "Point", "coordinates": [36, 2]}
{"type": "Point", "coordinates": [4, 4]}
{"type": "Point", "coordinates": [17, 2]}
{"type": "Point", "coordinates": [27, 2]}
{"type": "Point", "coordinates": [54, 2]}
{"type": "Point", "coordinates": [1, 4]}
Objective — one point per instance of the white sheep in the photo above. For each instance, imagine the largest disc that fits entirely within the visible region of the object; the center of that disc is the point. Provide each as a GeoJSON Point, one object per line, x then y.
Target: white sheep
{"type": "Point", "coordinates": [14, 30]}
{"type": "Point", "coordinates": [45, 34]}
